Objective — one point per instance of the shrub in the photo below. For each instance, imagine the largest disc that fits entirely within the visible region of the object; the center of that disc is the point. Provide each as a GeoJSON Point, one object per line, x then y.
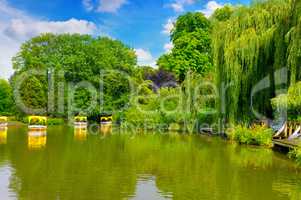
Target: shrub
{"type": "Point", "coordinates": [296, 155]}
{"type": "Point", "coordinates": [289, 103]}
{"type": "Point", "coordinates": [257, 135]}
{"type": "Point", "coordinates": [55, 121]}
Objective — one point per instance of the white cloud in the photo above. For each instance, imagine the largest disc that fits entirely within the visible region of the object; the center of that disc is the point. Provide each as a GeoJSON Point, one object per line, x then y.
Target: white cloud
{"type": "Point", "coordinates": [178, 5]}
{"type": "Point", "coordinates": [105, 6]}
{"type": "Point", "coordinates": [145, 58]}
{"type": "Point", "coordinates": [88, 5]}
{"type": "Point", "coordinates": [211, 6]}
{"type": "Point", "coordinates": [110, 6]}
{"type": "Point", "coordinates": [24, 29]}
{"type": "Point", "coordinates": [168, 47]}
{"type": "Point", "coordinates": [16, 27]}
{"type": "Point", "coordinates": [167, 28]}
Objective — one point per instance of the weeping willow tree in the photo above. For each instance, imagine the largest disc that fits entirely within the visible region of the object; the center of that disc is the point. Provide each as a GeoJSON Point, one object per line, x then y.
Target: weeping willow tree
{"type": "Point", "coordinates": [253, 44]}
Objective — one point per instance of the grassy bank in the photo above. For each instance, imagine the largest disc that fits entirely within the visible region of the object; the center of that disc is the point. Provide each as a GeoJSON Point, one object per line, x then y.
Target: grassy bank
{"type": "Point", "coordinates": [295, 154]}
{"type": "Point", "coordinates": [255, 135]}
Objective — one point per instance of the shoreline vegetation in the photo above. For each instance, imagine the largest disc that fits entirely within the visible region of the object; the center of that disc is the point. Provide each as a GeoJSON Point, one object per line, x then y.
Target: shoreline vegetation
{"type": "Point", "coordinates": [240, 65]}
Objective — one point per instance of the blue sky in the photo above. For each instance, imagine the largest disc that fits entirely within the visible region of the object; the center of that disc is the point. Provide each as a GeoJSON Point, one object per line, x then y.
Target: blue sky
{"type": "Point", "coordinates": [141, 24]}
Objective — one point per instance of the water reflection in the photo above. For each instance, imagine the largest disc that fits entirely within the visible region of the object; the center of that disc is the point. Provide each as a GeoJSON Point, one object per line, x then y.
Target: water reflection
{"type": "Point", "coordinates": [5, 192]}
{"type": "Point", "coordinates": [147, 189]}
{"type": "Point", "coordinates": [37, 139]}
{"type": "Point", "coordinates": [80, 134]}
{"type": "Point", "coordinates": [3, 135]}
{"type": "Point", "coordinates": [176, 167]}
{"type": "Point", "coordinates": [251, 157]}
{"type": "Point", "coordinates": [106, 129]}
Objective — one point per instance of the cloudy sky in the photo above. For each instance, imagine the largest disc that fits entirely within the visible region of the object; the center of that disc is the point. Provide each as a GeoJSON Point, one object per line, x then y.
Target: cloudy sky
{"type": "Point", "coordinates": [142, 24]}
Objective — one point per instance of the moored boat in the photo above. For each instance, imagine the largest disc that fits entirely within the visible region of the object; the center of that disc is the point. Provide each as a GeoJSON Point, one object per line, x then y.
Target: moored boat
{"type": "Point", "coordinates": [80, 122]}
{"type": "Point", "coordinates": [3, 122]}
{"type": "Point", "coordinates": [37, 123]}
{"type": "Point", "coordinates": [106, 119]}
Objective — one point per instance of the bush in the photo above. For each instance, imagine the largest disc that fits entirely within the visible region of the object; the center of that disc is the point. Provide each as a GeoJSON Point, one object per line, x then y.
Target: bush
{"type": "Point", "coordinates": [296, 155]}
{"type": "Point", "coordinates": [257, 135]}
{"type": "Point", "coordinates": [55, 121]}
{"type": "Point", "coordinates": [289, 103]}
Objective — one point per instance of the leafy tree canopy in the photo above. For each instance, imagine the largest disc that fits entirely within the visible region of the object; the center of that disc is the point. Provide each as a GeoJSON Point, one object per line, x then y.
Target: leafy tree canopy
{"type": "Point", "coordinates": [6, 98]}
{"type": "Point", "coordinates": [73, 58]}
{"type": "Point", "coordinates": [192, 46]}
{"type": "Point", "coordinates": [223, 14]}
{"type": "Point", "coordinates": [257, 42]}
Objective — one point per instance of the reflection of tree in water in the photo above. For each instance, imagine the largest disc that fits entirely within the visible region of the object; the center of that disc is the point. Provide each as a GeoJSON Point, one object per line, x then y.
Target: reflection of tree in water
{"type": "Point", "coordinates": [186, 167]}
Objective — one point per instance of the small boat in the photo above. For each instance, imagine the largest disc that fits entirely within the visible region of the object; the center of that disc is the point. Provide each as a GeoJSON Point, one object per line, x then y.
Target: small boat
{"type": "Point", "coordinates": [80, 122]}
{"type": "Point", "coordinates": [37, 123]}
{"type": "Point", "coordinates": [106, 119]}
{"type": "Point", "coordinates": [3, 122]}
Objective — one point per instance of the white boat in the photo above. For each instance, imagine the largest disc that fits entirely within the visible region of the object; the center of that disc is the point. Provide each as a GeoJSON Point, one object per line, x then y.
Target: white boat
{"type": "Point", "coordinates": [3, 125]}
{"type": "Point", "coordinates": [3, 122]}
{"type": "Point", "coordinates": [37, 123]}
{"type": "Point", "coordinates": [106, 123]}
{"type": "Point", "coordinates": [80, 124]}
{"type": "Point", "coordinates": [37, 127]}
{"type": "Point", "coordinates": [107, 119]}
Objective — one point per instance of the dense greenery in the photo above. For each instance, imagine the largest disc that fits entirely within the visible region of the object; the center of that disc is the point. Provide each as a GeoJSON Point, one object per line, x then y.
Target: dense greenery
{"type": "Point", "coordinates": [237, 48]}
{"type": "Point", "coordinates": [296, 155]}
{"type": "Point", "coordinates": [181, 105]}
{"type": "Point", "coordinates": [6, 98]}
{"type": "Point", "coordinates": [289, 103]}
{"type": "Point", "coordinates": [71, 59]}
{"type": "Point", "coordinates": [253, 44]}
{"type": "Point", "coordinates": [256, 135]}
{"type": "Point", "coordinates": [223, 14]}
{"type": "Point", "coordinates": [192, 46]}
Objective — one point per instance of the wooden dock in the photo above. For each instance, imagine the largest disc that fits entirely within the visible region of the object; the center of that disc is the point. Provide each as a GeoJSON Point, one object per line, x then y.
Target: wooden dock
{"type": "Point", "coordinates": [287, 143]}
{"type": "Point", "coordinates": [288, 136]}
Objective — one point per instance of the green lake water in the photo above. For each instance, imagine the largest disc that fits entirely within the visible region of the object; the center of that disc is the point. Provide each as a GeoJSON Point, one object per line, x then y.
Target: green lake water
{"type": "Point", "coordinates": [68, 164]}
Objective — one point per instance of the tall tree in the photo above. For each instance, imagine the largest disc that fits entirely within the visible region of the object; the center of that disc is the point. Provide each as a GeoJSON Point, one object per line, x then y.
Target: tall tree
{"type": "Point", "coordinates": [73, 58]}
{"type": "Point", "coordinates": [192, 46]}
{"type": "Point", "coordinates": [6, 98]}
{"type": "Point", "coordinates": [33, 96]}
{"type": "Point", "coordinates": [254, 44]}
{"type": "Point", "coordinates": [223, 14]}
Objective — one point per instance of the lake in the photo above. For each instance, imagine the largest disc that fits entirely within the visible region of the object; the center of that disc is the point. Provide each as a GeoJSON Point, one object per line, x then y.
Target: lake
{"type": "Point", "coordinates": [69, 164]}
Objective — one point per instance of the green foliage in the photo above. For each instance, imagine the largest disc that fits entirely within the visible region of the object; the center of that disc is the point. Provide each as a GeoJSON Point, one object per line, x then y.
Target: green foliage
{"type": "Point", "coordinates": [222, 14]}
{"type": "Point", "coordinates": [6, 98]}
{"type": "Point", "coordinates": [146, 109]}
{"type": "Point", "coordinates": [250, 46]}
{"type": "Point", "coordinates": [181, 105]}
{"type": "Point", "coordinates": [256, 135]}
{"type": "Point", "coordinates": [290, 102]}
{"type": "Point", "coordinates": [55, 121]}
{"type": "Point", "coordinates": [71, 59]}
{"type": "Point", "coordinates": [189, 23]}
{"type": "Point", "coordinates": [296, 155]}
{"type": "Point", "coordinates": [33, 95]}
{"type": "Point", "coordinates": [192, 46]}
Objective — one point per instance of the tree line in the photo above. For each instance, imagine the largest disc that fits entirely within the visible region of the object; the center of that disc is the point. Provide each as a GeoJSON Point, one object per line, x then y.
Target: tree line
{"type": "Point", "coordinates": [237, 47]}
